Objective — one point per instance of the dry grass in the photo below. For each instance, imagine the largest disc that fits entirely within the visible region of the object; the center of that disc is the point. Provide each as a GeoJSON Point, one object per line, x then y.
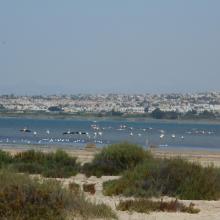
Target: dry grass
{"type": "Point", "coordinates": [89, 188]}
{"type": "Point", "coordinates": [147, 206]}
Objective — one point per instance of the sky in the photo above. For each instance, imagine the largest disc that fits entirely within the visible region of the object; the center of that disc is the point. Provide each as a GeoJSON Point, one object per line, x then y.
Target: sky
{"type": "Point", "coordinates": [114, 46]}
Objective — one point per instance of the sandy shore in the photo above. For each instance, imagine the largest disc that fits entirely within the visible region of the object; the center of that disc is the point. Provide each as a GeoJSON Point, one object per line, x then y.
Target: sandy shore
{"type": "Point", "coordinates": [204, 157]}
{"type": "Point", "coordinates": [209, 210]}
{"type": "Point", "coordinates": [84, 155]}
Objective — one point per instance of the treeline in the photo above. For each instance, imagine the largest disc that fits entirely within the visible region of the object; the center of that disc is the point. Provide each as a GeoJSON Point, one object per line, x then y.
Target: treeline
{"type": "Point", "coordinates": [159, 114]}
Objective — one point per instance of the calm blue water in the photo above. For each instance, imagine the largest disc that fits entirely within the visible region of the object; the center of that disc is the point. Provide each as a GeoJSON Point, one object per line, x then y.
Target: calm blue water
{"type": "Point", "coordinates": [45, 132]}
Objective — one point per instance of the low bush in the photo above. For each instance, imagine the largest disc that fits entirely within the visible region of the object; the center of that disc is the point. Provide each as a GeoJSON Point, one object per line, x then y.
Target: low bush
{"type": "Point", "coordinates": [74, 187]}
{"type": "Point", "coordinates": [23, 198]}
{"type": "Point", "coordinates": [173, 177]}
{"type": "Point", "coordinates": [190, 180]}
{"type": "Point", "coordinates": [89, 210]}
{"type": "Point", "coordinates": [89, 188]}
{"type": "Point", "coordinates": [114, 159]}
{"type": "Point", "coordinates": [5, 158]}
{"type": "Point", "coordinates": [147, 206]}
{"type": "Point", "coordinates": [54, 165]}
{"type": "Point", "coordinates": [141, 181]}
{"type": "Point", "coordinates": [30, 156]}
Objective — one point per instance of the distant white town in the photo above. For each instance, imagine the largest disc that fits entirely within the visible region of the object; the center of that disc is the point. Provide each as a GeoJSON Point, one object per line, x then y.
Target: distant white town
{"type": "Point", "coordinates": [123, 103]}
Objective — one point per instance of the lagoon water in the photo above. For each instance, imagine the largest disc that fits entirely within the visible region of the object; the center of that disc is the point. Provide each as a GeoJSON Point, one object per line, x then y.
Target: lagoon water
{"type": "Point", "coordinates": [49, 133]}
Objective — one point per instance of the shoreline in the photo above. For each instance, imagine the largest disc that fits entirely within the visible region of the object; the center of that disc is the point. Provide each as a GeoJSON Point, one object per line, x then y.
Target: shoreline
{"type": "Point", "coordinates": [57, 116]}
{"type": "Point", "coordinates": [204, 157]}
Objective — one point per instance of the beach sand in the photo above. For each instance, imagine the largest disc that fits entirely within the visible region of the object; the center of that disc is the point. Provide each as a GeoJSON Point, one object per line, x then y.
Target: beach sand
{"type": "Point", "coordinates": [209, 210]}
{"type": "Point", "coordinates": [204, 157]}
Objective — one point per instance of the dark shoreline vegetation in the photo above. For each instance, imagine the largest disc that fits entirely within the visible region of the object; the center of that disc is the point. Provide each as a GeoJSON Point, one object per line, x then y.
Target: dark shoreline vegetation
{"type": "Point", "coordinates": [142, 177]}
{"type": "Point", "coordinates": [156, 114]}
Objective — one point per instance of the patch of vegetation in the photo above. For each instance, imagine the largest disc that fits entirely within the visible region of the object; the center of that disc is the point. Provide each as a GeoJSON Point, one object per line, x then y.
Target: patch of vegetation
{"type": "Point", "coordinates": [90, 211]}
{"type": "Point", "coordinates": [74, 187]}
{"type": "Point", "coordinates": [5, 158]}
{"type": "Point", "coordinates": [173, 177]}
{"type": "Point", "coordinates": [23, 198]}
{"type": "Point", "coordinates": [55, 109]}
{"type": "Point", "coordinates": [2, 108]}
{"type": "Point", "coordinates": [55, 165]}
{"type": "Point", "coordinates": [114, 159]}
{"type": "Point", "coordinates": [158, 114]}
{"type": "Point", "coordinates": [89, 188]}
{"type": "Point", "coordinates": [147, 206]}
{"type": "Point", "coordinates": [193, 114]}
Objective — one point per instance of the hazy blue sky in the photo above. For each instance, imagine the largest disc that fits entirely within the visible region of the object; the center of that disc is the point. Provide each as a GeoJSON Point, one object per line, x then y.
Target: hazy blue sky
{"type": "Point", "coordinates": [54, 46]}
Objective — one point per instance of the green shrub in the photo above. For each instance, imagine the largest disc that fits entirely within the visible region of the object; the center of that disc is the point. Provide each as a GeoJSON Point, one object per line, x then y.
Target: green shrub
{"type": "Point", "coordinates": [32, 168]}
{"type": "Point", "coordinates": [116, 158]}
{"type": "Point", "coordinates": [59, 171]}
{"type": "Point", "coordinates": [30, 156]}
{"type": "Point", "coordinates": [142, 181]}
{"type": "Point", "coordinates": [174, 177]}
{"type": "Point", "coordinates": [5, 158]}
{"type": "Point", "coordinates": [147, 206]}
{"type": "Point", "coordinates": [55, 165]}
{"type": "Point", "coordinates": [190, 180]}
{"type": "Point", "coordinates": [23, 198]}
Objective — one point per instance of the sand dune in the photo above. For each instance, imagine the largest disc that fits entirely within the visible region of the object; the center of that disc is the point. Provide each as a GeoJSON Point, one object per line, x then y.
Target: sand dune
{"type": "Point", "coordinates": [209, 210]}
